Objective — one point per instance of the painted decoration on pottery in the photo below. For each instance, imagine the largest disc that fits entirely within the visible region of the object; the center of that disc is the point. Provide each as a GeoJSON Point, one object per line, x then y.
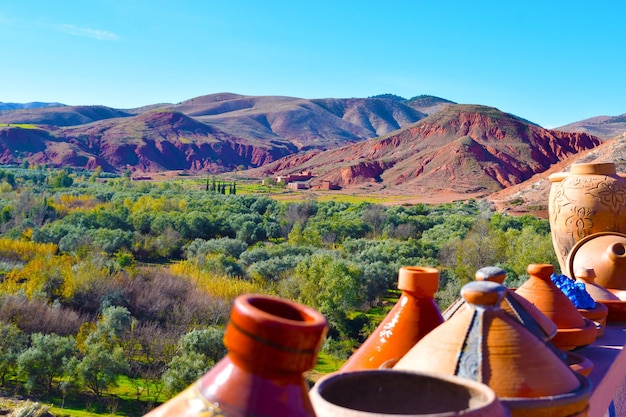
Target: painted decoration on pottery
{"type": "Point", "coordinates": [591, 198]}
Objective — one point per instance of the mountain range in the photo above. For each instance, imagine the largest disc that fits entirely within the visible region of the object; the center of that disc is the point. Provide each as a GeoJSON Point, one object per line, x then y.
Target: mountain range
{"type": "Point", "coordinates": [386, 143]}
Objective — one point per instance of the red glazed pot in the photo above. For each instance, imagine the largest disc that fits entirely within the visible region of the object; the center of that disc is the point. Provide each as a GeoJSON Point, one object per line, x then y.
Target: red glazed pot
{"type": "Point", "coordinates": [573, 330]}
{"type": "Point", "coordinates": [271, 342]}
{"type": "Point", "coordinates": [413, 316]}
{"type": "Point", "coordinates": [387, 393]}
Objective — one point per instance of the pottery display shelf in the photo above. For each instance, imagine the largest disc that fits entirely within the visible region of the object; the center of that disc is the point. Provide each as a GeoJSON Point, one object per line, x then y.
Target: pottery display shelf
{"type": "Point", "coordinates": [608, 377]}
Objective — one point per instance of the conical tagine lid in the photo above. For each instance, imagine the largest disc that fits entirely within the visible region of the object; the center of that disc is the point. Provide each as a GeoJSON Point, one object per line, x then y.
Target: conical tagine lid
{"type": "Point", "coordinates": [517, 306]}
{"type": "Point", "coordinates": [573, 330]}
{"type": "Point", "coordinates": [485, 344]}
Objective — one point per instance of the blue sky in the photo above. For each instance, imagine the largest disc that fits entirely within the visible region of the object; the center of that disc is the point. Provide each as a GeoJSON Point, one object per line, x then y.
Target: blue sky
{"type": "Point", "coordinates": [551, 62]}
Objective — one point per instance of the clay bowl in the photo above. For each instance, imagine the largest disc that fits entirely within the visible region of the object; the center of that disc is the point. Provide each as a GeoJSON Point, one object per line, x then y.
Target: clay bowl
{"type": "Point", "coordinates": [387, 392]}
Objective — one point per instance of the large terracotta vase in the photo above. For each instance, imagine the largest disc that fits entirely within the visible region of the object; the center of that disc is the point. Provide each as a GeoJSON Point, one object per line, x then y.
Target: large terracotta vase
{"type": "Point", "coordinates": [591, 198]}
{"type": "Point", "coordinates": [387, 393]}
{"type": "Point", "coordinates": [573, 330]}
{"type": "Point", "coordinates": [484, 343]}
{"type": "Point", "coordinates": [413, 316]}
{"type": "Point", "coordinates": [271, 342]}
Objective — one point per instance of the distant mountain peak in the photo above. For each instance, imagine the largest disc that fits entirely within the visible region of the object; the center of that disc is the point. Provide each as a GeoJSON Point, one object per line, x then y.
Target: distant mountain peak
{"type": "Point", "coordinates": [212, 98]}
{"type": "Point", "coordinates": [31, 105]}
{"type": "Point", "coordinates": [425, 100]}
{"type": "Point", "coordinates": [390, 97]}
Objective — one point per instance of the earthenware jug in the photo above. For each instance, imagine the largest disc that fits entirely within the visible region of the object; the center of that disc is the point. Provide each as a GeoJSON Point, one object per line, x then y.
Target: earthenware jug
{"type": "Point", "coordinates": [386, 393]}
{"type": "Point", "coordinates": [271, 342]}
{"type": "Point", "coordinates": [413, 316]}
{"type": "Point", "coordinates": [483, 343]}
{"type": "Point", "coordinates": [591, 198]}
{"type": "Point", "coordinates": [573, 330]}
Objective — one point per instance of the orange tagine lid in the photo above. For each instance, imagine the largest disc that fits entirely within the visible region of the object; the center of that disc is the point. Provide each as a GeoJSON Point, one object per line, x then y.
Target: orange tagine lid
{"type": "Point", "coordinates": [517, 306]}
{"type": "Point", "coordinates": [573, 330]}
{"type": "Point", "coordinates": [484, 343]}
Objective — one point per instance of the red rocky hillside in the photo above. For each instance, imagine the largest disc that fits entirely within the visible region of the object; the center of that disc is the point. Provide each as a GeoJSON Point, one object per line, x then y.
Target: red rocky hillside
{"type": "Point", "coordinates": [461, 149]}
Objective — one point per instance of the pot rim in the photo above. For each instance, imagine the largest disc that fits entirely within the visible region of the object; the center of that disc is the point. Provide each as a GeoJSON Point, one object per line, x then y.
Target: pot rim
{"type": "Point", "coordinates": [488, 398]}
{"type": "Point", "coordinates": [582, 393]}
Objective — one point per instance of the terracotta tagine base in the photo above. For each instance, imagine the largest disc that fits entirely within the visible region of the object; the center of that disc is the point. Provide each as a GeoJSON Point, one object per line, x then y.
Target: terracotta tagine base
{"type": "Point", "coordinates": [598, 315]}
{"type": "Point", "coordinates": [578, 363]}
{"type": "Point", "coordinates": [617, 308]}
{"type": "Point", "coordinates": [386, 393]}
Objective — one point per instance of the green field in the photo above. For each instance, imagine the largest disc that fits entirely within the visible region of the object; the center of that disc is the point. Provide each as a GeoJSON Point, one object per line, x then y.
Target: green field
{"type": "Point", "coordinates": [20, 125]}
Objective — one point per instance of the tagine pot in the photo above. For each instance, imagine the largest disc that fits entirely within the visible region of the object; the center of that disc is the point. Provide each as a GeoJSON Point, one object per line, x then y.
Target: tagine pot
{"type": "Point", "coordinates": [616, 308]}
{"type": "Point", "coordinates": [573, 330]}
{"type": "Point", "coordinates": [591, 198]}
{"type": "Point", "coordinates": [412, 317]}
{"type": "Point", "coordinates": [484, 343]}
{"type": "Point", "coordinates": [528, 315]}
{"type": "Point", "coordinates": [517, 306]}
{"type": "Point", "coordinates": [271, 343]}
{"type": "Point", "coordinates": [387, 393]}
